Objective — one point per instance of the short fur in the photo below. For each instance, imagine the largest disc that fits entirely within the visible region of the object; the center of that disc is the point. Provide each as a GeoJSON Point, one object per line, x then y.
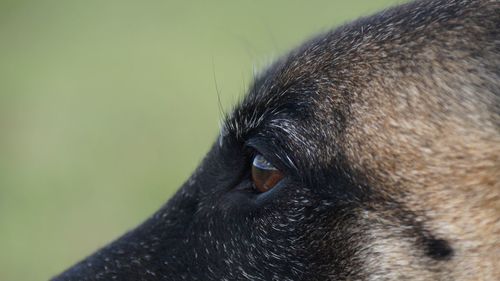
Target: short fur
{"type": "Point", "coordinates": [388, 131]}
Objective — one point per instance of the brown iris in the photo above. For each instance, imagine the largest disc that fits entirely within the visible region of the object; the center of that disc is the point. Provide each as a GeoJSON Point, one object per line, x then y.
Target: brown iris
{"type": "Point", "coordinates": [264, 175]}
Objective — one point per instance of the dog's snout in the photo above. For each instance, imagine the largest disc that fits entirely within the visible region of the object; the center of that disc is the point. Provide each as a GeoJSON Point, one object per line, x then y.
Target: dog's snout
{"type": "Point", "coordinates": [161, 245]}
{"type": "Point", "coordinates": [142, 251]}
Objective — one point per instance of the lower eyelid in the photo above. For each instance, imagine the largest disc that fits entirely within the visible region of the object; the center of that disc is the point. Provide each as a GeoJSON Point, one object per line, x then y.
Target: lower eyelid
{"type": "Point", "coordinates": [264, 197]}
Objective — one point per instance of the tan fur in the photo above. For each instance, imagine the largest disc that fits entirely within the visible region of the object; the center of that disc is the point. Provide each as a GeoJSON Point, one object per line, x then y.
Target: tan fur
{"type": "Point", "coordinates": [409, 134]}
{"type": "Point", "coordinates": [445, 158]}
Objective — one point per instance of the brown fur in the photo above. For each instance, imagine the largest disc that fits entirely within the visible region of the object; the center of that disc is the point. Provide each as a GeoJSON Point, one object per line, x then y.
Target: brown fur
{"type": "Point", "coordinates": [437, 146]}
{"type": "Point", "coordinates": [422, 124]}
{"type": "Point", "coordinates": [390, 127]}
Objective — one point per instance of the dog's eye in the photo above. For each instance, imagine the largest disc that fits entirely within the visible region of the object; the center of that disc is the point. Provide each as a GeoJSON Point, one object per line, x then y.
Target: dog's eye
{"type": "Point", "coordinates": [264, 175]}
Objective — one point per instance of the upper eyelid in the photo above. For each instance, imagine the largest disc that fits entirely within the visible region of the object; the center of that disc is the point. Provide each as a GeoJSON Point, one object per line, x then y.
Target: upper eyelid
{"type": "Point", "coordinates": [271, 153]}
{"type": "Point", "coordinates": [262, 163]}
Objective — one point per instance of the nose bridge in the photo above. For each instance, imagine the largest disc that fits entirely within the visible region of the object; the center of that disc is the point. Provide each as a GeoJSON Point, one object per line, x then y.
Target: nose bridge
{"type": "Point", "coordinates": [157, 246]}
{"type": "Point", "coordinates": [150, 245]}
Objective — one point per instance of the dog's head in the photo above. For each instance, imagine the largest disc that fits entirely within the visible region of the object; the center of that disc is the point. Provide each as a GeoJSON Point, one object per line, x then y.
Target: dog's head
{"type": "Point", "coordinates": [369, 153]}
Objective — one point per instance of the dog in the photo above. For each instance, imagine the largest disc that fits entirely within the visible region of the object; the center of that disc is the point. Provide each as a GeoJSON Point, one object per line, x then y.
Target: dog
{"type": "Point", "coordinates": [371, 152]}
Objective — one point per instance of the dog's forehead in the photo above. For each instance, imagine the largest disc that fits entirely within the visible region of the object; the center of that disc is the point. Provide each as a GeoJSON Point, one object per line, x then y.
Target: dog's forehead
{"type": "Point", "coordinates": [294, 88]}
{"type": "Point", "coordinates": [317, 78]}
{"type": "Point", "coordinates": [391, 78]}
{"type": "Point", "coordinates": [304, 96]}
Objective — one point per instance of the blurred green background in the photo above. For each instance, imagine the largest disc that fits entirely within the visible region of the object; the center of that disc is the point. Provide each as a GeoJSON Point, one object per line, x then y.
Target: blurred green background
{"type": "Point", "coordinates": [107, 106]}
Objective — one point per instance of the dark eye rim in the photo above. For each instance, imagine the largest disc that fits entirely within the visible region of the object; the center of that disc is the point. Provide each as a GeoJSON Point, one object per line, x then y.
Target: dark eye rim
{"type": "Point", "coordinates": [253, 149]}
{"type": "Point", "coordinates": [272, 154]}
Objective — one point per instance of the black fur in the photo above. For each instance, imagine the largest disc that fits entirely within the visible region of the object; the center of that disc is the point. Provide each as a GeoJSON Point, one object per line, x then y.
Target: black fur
{"type": "Point", "coordinates": [326, 218]}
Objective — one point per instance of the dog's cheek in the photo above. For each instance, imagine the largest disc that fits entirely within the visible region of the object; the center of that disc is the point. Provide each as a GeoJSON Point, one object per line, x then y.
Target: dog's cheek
{"type": "Point", "coordinates": [263, 240]}
{"type": "Point", "coordinates": [372, 243]}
